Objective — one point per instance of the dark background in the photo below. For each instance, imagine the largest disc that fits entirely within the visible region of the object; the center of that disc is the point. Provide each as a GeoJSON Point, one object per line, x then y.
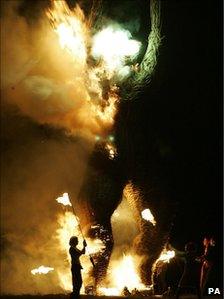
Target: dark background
{"type": "Point", "coordinates": [179, 117]}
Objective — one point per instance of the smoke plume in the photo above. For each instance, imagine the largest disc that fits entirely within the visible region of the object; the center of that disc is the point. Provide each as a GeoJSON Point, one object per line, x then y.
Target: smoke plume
{"type": "Point", "coordinates": [52, 109]}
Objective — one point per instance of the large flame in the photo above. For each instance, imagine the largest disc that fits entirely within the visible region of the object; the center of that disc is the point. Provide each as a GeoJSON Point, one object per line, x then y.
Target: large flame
{"type": "Point", "coordinates": [102, 63]}
{"type": "Point", "coordinates": [122, 274]}
{"type": "Point", "coordinates": [112, 152]}
{"type": "Point", "coordinates": [42, 270]}
{"type": "Point", "coordinates": [126, 275]}
{"type": "Point", "coordinates": [109, 291]}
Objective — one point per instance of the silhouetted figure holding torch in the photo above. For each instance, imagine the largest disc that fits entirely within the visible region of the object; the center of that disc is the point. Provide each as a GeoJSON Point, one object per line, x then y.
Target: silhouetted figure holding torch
{"type": "Point", "coordinates": [76, 266]}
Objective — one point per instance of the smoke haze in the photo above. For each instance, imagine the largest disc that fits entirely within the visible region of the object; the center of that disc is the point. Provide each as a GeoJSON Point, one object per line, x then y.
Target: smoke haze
{"type": "Point", "coordinates": [48, 131]}
{"type": "Point", "coordinates": [42, 79]}
{"type": "Point", "coordinates": [38, 162]}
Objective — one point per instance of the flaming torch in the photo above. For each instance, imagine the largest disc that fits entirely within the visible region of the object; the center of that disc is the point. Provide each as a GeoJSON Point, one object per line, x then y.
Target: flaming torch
{"type": "Point", "coordinates": [65, 201]}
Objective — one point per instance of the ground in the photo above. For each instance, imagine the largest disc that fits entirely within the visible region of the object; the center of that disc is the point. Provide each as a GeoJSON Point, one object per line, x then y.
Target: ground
{"type": "Point", "coordinates": [63, 296]}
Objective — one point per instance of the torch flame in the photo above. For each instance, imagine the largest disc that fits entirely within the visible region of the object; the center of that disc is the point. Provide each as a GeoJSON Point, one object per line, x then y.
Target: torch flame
{"type": "Point", "coordinates": [42, 270]}
{"type": "Point", "coordinates": [64, 200]}
{"type": "Point", "coordinates": [147, 215]}
{"type": "Point", "coordinates": [166, 256]}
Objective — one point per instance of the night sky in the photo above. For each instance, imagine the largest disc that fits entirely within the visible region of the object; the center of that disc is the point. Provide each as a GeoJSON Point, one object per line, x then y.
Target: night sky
{"type": "Point", "coordinates": [179, 117]}
{"type": "Point", "coordinates": [171, 136]}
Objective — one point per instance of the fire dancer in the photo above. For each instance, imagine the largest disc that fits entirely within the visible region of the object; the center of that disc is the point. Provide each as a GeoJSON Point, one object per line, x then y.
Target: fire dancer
{"type": "Point", "coordinates": [76, 266]}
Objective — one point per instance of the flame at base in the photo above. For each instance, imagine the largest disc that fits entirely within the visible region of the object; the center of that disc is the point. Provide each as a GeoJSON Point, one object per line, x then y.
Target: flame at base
{"type": "Point", "coordinates": [69, 226]}
{"type": "Point", "coordinates": [123, 274]}
{"type": "Point", "coordinates": [109, 291]}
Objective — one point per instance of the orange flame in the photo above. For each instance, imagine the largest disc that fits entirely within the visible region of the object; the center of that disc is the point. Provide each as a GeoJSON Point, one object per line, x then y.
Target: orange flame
{"type": "Point", "coordinates": [71, 29]}
{"type": "Point", "coordinates": [64, 200]}
{"type": "Point", "coordinates": [98, 79]}
{"type": "Point", "coordinates": [123, 273]}
{"type": "Point", "coordinates": [166, 256]}
{"type": "Point", "coordinates": [42, 270]}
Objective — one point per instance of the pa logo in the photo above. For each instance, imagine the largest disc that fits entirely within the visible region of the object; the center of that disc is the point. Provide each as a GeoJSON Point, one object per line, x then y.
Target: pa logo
{"type": "Point", "coordinates": [214, 291]}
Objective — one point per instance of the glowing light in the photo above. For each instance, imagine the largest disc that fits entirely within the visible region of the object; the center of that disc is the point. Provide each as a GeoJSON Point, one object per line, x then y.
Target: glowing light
{"type": "Point", "coordinates": [111, 150]}
{"type": "Point", "coordinates": [64, 200]}
{"type": "Point", "coordinates": [147, 215]}
{"type": "Point", "coordinates": [111, 138]}
{"type": "Point", "coordinates": [123, 273]}
{"type": "Point", "coordinates": [99, 101]}
{"type": "Point", "coordinates": [97, 138]}
{"type": "Point", "coordinates": [69, 39]}
{"type": "Point", "coordinates": [166, 256]}
{"type": "Point", "coordinates": [121, 278]}
{"type": "Point", "coordinates": [70, 28]}
{"type": "Point", "coordinates": [113, 45]}
{"type": "Point", "coordinates": [109, 291]}
{"type": "Point", "coordinates": [42, 270]}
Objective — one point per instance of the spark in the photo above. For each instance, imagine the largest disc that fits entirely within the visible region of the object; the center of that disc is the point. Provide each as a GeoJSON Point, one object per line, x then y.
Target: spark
{"type": "Point", "coordinates": [147, 215]}
{"type": "Point", "coordinates": [42, 270]}
{"type": "Point", "coordinates": [111, 149]}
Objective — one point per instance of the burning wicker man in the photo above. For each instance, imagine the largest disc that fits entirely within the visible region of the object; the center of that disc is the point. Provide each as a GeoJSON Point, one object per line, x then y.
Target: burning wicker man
{"type": "Point", "coordinates": [76, 267]}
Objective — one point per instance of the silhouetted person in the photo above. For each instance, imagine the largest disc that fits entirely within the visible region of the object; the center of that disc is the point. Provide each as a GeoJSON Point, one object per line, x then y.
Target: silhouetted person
{"type": "Point", "coordinates": [209, 266]}
{"type": "Point", "coordinates": [76, 266]}
{"type": "Point", "coordinates": [190, 279]}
